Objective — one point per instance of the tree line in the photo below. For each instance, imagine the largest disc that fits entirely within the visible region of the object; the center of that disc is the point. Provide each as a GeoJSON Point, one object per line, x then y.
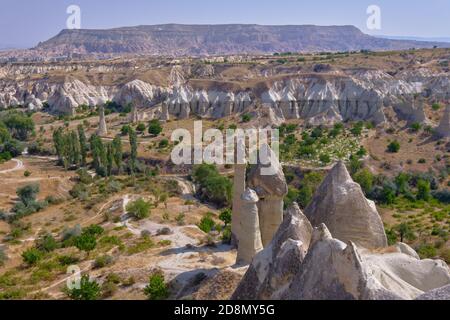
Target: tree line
{"type": "Point", "coordinates": [73, 149]}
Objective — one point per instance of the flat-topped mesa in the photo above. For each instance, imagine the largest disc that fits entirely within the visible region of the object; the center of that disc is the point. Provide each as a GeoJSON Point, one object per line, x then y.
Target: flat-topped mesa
{"type": "Point", "coordinates": [267, 179]}
{"type": "Point", "coordinates": [249, 240]}
{"type": "Point", "coordinates": [273, 268]}
{"type": "Point", "coordinates": [102, 129]}
{"type": "Point", "coordinates": [443, 130]}
{"type": "Point", "coordinates": [340, 204]}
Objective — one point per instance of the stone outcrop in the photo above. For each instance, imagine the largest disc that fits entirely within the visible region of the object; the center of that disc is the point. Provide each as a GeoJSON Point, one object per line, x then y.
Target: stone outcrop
{"type": "Point", "coordinates": [273, 268]}
{"type": "Point", "coordinates": [334, 270]}
{"type": "Point", "coordinates": [443, 130]}
{"type": "Point", "coordinates": [134, 116]}
{"type": "Point", "coordinates": [102, 128]}
{"type": "Point", "coordinates": [436, 294]}
{"type": "Point", "coordinates": [319, 98]}
{"type": "Point", "coordinates": [267, 179]}
{"type": "Point", "coordinates": [250, 239]}
{"type": "Point", "coordinates": [340, 204]}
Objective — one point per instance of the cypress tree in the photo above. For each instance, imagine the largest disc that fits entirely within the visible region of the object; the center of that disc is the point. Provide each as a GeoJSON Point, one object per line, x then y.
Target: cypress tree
{"type": "Point", "coordinates": [110, 158]}
{"type": "Point", "coordinates": [118, 155]}
{"type": "Point", "coordinates": [83, 145]}
{"type": "Point", "coordinates": [133, 154]}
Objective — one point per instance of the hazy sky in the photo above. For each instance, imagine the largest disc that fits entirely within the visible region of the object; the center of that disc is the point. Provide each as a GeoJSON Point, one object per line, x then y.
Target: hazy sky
{"type": "Point", "coordinates": [26, 22]}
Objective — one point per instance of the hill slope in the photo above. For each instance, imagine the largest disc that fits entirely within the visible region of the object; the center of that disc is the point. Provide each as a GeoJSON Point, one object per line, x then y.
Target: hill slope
{"type": "Point", "coordinates": [175, 39]}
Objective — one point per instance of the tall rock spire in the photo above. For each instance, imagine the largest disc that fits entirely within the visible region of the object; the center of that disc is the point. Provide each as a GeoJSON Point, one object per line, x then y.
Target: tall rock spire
{"type": "Point", "coordinates": [102, 129]}
{"type": "Point", "coordinates": [443, 130]}
{"type": "Point", "coordinates": [340, 204]}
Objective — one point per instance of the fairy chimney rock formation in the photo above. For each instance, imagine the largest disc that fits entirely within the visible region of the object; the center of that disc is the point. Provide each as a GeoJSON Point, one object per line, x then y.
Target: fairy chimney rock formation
{"type": "Point", "coordinates": [250, 240]}
{"type": "Point", "coordinates": [134, 116]}
{"type": "Point", "coordinates": [267, 179]}
{"type": "Point", "coordinates": [340, 204]}
{"type": "Point", "coordinates": [443, 130]}
{"type": "Point", "coordinates": [102, 129]}
{"type": "Point", "coordinates": [273, 268]}
{"type": "Point", "coordinates": [238, 190]}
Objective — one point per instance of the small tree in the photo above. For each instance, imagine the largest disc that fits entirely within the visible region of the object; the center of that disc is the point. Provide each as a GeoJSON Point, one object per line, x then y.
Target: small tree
{"type": "Point", "coordinates": [88, 290]}
{"type": "Point", "coordinates": [140, 208]}
{"type": "Point", "coordinates": [156, 288]}
{"type": "Point", "coordinates": [365, 179]}
{"type": "Point", "coordinates": [394, 147]}
{"type": "Point", "coordinates": [423, 190]}
{"type": "Point", "coordinates": [405, 232]}
{"type": "Point", "coordinates": [140, 127]}
{"type": "Point", "coordinates": [154, 127]}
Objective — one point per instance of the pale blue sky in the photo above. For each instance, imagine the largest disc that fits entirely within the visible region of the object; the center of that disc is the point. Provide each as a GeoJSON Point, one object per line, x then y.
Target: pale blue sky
{"type": "Point", "coordinates": [26, 22]}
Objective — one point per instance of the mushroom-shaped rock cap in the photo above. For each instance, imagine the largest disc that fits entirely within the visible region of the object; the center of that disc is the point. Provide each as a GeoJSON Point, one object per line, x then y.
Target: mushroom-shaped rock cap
{"type": "Point", "coordinates": [267, 177]}
{"type": "Point", "coordinates": [250, 196]}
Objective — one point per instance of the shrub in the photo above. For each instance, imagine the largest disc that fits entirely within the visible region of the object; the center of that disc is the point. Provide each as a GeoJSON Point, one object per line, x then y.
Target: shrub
{"type": "Point", "coordinates": [88, 290]}
{"type": "Point", "coordinates": [206, 223]}
{"type": "Point", "coordinates": [394, 147]}
{"type": "Point", "coordinates": [226, 234]}
{"type": "Point", "coordinates": [154, 127]}
{"type": "Point", "coordinates": [102, 261]}
{"type": "Point", "coordinates": [85, 242]}
{"type": "Point", "coordinates": [436, 106]}
{"type": "Point", "coordinates": [140, 127]}
{"type": "Point", "coordinates": [225, 216]}
{"type": "Point", "coordinates": [140, 209]}
{"type": "Point", "coordinates": [3, 256]}
{"type": "Point", "coordinates": [415, 127]}
{"type": "Point", "coordinates": [164, 143]}
{"type": "Point", "coordinates": [426, 251]}
{"type": "Point", "coordinates": [27, 173]}
{"type": "Point", "coordinates": [125, 130]}
{"type": "Point", "coordinates": [325, 158]}
{"type": "Point", "coordinates": [94, 230]}
{"type": "Point", "coordinates": [47, 243]}
{"type": "Point", "coordinates": [27, 194]}
{"type": "Point", "coordinates": [156, 288]}
{"type": "Point", "coordinates": [365, 179]}
{"type": "Point", "coordinates": [246, 117]}
{"type": "Point", "coordinates": [32, 256]}
{"type": "Point", "coordinates": [423, 190]}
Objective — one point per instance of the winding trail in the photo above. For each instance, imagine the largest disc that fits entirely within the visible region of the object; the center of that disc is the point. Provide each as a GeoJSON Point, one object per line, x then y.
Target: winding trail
{"type": "Point", "coordinates": [19, 166]}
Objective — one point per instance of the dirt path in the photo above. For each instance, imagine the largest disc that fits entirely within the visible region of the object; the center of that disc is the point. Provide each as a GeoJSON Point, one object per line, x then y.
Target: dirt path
{"type": "Point", "coordinates": [19, 166]}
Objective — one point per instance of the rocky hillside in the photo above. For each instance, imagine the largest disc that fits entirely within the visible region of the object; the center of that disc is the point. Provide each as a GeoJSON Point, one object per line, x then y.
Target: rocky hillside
{"type": "Point", "coordinates": [176, 39]}
{"type": "Point", "coordinates": [295, 87]}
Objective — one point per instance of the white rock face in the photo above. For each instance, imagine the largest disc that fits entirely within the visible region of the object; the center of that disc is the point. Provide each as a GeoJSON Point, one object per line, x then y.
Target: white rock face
{"type": "Point", "coordinates": [102, 129]}
{"type": "Point", "coordinates": [249, 240]}
{"type": "Point", "coordinates": [340, 204]}
{"type": "Point", "coordinates": [323, 98]}
{"type": "Point", "coordinates": [443, 130]}
{"type": "Point", "coordinates": [333, 270]}
{"type": "Point", "coordinates": [273, 268]}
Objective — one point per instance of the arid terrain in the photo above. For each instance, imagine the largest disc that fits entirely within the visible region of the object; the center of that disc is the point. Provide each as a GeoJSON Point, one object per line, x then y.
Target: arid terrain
{"type": "Point", "coordinates": [124, 214]}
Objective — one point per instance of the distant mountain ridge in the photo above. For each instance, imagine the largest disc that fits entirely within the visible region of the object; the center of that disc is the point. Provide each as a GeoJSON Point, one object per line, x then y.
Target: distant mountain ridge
{"type": "Point", "coordinates": [178, 40]}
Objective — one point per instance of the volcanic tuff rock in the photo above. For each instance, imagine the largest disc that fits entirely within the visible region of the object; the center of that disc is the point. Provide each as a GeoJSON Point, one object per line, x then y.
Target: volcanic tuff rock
{"type": "Point", "coordinates": [272, 269]}
{"type": "Point", "coordinates": [437, 294]}
{"type": "Point", "coordinates": [333, 270]}
{"type": "Point", "coordinates": [443, 130]}
{"type": "Point", "coordinates": [340, 204]}
{"type": "Point", "coordinates": [268, 180]}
